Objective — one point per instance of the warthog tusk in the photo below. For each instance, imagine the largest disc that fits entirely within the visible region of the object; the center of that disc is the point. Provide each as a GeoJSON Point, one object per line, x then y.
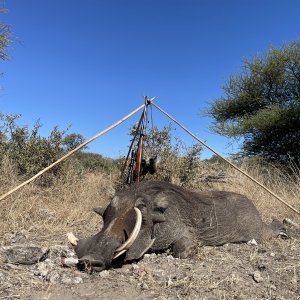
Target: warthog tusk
{"type": "Point", "coordinates": [117, 254]}
{"type": "Point", "coordinates": [72, 238]}
{"type": "Point", "coordinates": [128, 243]}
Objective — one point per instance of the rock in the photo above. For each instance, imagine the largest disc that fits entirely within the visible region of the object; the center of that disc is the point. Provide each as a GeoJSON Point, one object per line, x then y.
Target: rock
{"type": "Point", "coordinates": [169, 282]}
{"type": "Point", "coordinates": [150, 256]}
{"type": "Point", "coordinates": [69, 261]}
{"type": "Point", "coordinates": [24, 255]}
{"type": "Point", "coordinates": [252, 242]}
{"type": "Point", "coordinates": [126, 268]}
{"type": "Point", "coordinates": [65, 279]}
{"type": "Point", "coordinates": [261, 264]}
{"type": "Point", "coordinates": [43, 268]}
{"type": "Point", "coordinates": [104, 274]}
{"type": "Point", "coordinates": [77, 280]}
{"type": "Point", "coordinates": [170, 258]}
{"type": "Point", "coordinates": [53, 277]}
{"type": "Point", "coordinates": [20, 237]}
{"type": "Point", "coordinates": [143, 285]}
{"type": "Point", "coordinates": [272, 254]}
{"type": "Point", "coordinates": [257, 277]}
{"type": "Point", "coordinates": [58, 251]}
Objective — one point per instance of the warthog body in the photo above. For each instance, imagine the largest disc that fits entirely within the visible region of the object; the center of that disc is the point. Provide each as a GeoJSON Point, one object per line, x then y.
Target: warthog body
{"type": "Point", "coordinates": [172, 217]}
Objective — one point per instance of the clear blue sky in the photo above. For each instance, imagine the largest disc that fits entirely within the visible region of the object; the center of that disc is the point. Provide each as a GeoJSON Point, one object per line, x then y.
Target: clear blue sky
{"type": "Point", "coordinates": [88, 63]}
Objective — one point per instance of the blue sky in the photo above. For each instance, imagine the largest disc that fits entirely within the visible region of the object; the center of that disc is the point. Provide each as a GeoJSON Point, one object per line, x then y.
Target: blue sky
{"type": "Point", "coordinates": [88, 63]}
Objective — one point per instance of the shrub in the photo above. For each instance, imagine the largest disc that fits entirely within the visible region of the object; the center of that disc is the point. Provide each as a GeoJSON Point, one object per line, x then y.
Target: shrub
{"type": "Point", "coordinates": [177, 162]}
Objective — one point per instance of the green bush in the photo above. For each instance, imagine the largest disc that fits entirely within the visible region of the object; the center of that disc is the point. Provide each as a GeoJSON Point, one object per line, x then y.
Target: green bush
{"type": "Point", "coordinates": [177, 162]}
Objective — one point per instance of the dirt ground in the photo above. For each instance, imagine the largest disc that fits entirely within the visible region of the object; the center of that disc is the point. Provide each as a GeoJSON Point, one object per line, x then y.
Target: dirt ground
{"type": "Point", "coordinates": [231, 271]}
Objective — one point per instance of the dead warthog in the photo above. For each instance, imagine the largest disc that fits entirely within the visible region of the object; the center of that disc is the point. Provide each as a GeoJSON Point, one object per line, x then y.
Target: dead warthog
{"type": "Point", "coordinates": [159, 216]}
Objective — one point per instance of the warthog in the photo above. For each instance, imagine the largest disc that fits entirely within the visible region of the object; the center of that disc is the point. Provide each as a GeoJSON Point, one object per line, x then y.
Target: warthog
{"type": "Point", "coordinates": [158, 215]}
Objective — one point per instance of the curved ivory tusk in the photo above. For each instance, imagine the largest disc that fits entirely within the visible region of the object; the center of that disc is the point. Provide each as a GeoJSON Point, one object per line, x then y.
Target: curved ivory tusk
{"type": "Point", "coordinates": [117, 254]}
{"type": "Point", "coordinates": [133, 235]}
{"type": "Point", "coordinates": [72, 238]}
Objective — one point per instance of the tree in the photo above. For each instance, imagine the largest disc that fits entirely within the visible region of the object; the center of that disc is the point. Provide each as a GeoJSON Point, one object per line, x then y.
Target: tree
{"type": "Point", "coordinates": [72, 141]}
{"type": "Point", "coordinates": [262, 106]}
{"type": "Point", "coordinates": [4, 38]}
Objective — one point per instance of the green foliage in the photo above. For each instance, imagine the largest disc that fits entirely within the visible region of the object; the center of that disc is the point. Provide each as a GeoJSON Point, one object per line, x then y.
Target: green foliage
{"type": "Point", "coordinates": [4, 38]}
{"type": "Point", "coordinates": [72, 141]}
{"type": "Point", "coordinates": [30, 152]}
{"type": "Point", "coordinates": [93, 162]}
{"type": "Point", "coordinates": [262, 105]}
{"type": "Point", "coordinates": [178, 163]}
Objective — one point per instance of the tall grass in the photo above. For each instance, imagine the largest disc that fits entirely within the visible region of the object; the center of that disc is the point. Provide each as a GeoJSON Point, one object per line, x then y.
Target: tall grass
{"type": "Point", "coordinates": [64, 206]}
{"type": "Point", "coordinates": [67, 204]}
{"type": "Point", "coordinates": [285, 184]}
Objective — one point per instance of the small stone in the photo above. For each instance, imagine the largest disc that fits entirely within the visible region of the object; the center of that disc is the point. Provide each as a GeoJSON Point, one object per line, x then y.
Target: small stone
{"type": "Point", "coordinates": [135, 267]}
{"type": "Point", "coordinates": [257, 277]}
{"type": "Point", "coordinates": [104, 274]}
{"type": "Point", "coordinates": [151, 255]}
{"type": "Point", "coordinates": [69, 261]}
{"type": "Point", "coordinates": [65, 280]}
{"type": "Point", "coordinates": [252, 242]}
{"type": "Point", "coordinates": [273, 287]}
{"type": "Point", "coordinates": [126, 268]}
{"type": "Point", "coordinates": [272, 254]}
{"type": "Point", "coordinates": [43, 268]}
{"type": "Point", "coordinates": [53, 277]}
{"type": "Point", "coordinates": [143, 285]}
{"type": "Point", "coordinates": [170, 257]}
{"type": "Point", "coordinates": [43, 273]}
{"type": "Point", "coordinates": [170, 282]}
{"type": "Point", "coordinates": [77, 280]}
{"type": "Point", "coordinates": [261, 264]}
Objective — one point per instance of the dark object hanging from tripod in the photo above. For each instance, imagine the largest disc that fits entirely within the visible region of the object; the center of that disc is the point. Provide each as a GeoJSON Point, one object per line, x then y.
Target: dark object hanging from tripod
{"type": "Point", "coordinates": [148, 166]}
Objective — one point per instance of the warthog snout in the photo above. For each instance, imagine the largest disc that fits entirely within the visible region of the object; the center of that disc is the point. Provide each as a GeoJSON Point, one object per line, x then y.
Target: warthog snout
{"type": "Point", "coordinates": [88, 262]}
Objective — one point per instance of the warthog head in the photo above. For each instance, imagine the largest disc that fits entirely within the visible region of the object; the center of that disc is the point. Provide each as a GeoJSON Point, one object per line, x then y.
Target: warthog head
{"type": "Point", "coordinates": [127, 231]}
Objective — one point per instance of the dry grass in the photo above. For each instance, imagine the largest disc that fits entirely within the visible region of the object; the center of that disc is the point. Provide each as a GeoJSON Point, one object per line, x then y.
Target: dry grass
{"type": "Point", "coordinates": [287, 186]}
{"type": "Point", "coordinates": [67, 205]}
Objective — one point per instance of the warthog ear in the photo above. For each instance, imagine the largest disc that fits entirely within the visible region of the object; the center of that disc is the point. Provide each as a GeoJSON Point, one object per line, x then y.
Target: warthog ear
{"type": "Point", "coordinates": [160, 203]}
{"type": "Point", "coordinates": [99, 210]}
